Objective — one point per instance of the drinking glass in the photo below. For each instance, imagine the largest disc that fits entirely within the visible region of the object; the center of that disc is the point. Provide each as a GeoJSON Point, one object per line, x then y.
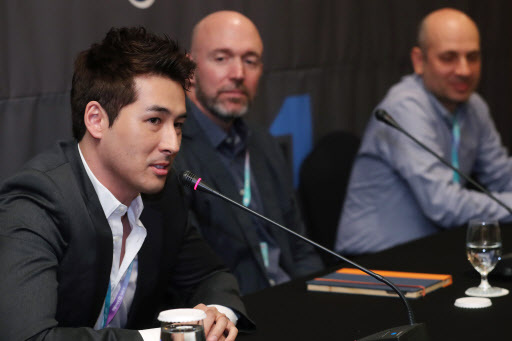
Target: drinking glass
{"type": "Point", "coordinates": [182, 325]}
{"type": "Point", "coordinates": [483, 249]}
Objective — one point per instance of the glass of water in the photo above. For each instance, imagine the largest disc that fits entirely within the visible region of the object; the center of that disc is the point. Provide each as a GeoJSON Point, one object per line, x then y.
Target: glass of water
{"type": "Point", "coordinates": [483, 249]}
{"type": "Point", "coordinates": [182, 325]}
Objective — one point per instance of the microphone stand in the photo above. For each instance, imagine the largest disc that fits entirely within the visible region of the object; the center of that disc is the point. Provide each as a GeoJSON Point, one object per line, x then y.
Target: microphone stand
{"type": "Point", "coordinates": [412, 332]}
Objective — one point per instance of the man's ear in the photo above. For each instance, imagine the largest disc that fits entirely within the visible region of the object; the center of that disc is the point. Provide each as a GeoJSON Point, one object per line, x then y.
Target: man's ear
{"type": "Point", "coordinates": [96, 119]}
{"type": "Point", "coordinates": [417, 60]}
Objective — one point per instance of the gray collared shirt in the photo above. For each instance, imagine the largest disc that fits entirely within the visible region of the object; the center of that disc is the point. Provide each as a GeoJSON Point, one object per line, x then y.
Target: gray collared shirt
{"type": "Point", "coordinates": [399, 192]}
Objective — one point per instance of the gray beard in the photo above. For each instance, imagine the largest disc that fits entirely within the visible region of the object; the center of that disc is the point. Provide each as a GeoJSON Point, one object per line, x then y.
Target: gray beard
{"type": "Point", "coordinates": [216, 108]}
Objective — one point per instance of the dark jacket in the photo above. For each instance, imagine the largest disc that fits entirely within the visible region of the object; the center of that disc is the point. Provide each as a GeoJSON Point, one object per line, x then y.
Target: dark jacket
{"type": "Point", "coordinates": [227, 228]}
{"type": "Point", "coordinates": [56, 256]}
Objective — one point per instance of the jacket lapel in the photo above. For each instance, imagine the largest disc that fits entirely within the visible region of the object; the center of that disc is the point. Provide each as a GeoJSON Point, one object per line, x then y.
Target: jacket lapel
{"type": "Point", "coordinates": [267, 183]}
{"type": "Point", "coordinates": [100, 226]}
{"type": "Point", "coordinates": [149, 259]}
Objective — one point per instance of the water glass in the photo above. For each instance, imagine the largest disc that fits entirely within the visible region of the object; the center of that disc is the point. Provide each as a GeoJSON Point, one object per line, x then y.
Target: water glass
{"type": "Point", "coordinates": [182, 325]}
{"type": "Point", "coordinates": [483, 249]}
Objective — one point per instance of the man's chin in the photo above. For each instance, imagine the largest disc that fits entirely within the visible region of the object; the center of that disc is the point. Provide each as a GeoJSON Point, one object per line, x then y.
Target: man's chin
{"type": "Point", "coordinates": [153, 188]}
{"type": "Point", "coordinates": [454, 99]}
{"type": "Point", "coordinates": [460, 98]}
{"type": "Point", "coordinates": [229, 113]}
{"type": "Point", "coordinates": [462, 95]}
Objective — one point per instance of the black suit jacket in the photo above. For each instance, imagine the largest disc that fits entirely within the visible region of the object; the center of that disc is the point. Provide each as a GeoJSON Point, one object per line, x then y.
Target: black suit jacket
{"type": "Point", "coordinates": [227, 228]}
{"type": "Point", "coordinates": [56, 256]}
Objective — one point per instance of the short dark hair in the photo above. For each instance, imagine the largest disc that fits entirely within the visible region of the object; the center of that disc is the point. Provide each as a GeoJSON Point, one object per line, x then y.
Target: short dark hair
{"type": "Point", "coordinates": [105, 72]}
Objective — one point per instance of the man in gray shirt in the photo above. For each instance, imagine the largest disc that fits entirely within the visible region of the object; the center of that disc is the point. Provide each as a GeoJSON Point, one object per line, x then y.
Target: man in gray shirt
{"type": "Point", "coordinates": [397, 191]}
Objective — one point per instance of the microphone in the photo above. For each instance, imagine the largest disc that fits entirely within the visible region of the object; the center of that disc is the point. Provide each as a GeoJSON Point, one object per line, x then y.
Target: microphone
{"type": "Point", "coordinates": [383, 116]}
{"type": "Point", "coordinates": [413, 331]}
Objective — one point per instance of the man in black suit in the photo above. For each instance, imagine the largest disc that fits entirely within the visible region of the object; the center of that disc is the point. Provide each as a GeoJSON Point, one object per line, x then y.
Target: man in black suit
{"type": "Point", "coordinates": [242, 161]}
{"type": "Point", "coordinates": [84, 255]}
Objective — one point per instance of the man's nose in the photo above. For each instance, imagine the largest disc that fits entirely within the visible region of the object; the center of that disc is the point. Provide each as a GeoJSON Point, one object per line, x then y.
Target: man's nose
{"type": "Point", "coordinates": [170, 141]}
{"type": "Point", "coordinates": [237, 70]}
{"type": "Point", "coordinates": [463, 68]}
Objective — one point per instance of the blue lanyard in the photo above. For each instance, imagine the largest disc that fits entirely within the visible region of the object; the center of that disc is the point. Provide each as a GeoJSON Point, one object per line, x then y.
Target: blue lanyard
{"type": "Point", "coordinates": [109, 311]}
{"type": "Point", "coordinates": [247, 181]}
{"type": "Point", "coordinates": [455, 147]}
{"type": "Point", "coordinates": [247, 200]}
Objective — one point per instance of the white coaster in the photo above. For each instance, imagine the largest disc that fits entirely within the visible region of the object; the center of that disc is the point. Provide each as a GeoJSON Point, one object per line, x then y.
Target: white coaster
{"type": "Point", "coordinates": [473, 302]}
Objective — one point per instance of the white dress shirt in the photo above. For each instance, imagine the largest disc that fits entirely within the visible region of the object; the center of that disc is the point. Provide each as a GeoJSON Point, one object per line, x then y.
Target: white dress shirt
{"type": "Point", "coordinates": [114, 210]}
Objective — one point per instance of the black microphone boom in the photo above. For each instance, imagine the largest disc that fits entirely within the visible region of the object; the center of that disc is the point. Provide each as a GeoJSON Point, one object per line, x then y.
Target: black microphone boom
{"type": "Point", "coordinates": [384, 117]}
{"type": "Point", "coordinates": [413, 331]}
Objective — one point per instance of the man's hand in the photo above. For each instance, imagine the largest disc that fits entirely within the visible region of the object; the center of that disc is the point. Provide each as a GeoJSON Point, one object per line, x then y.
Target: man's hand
{"type": "Point", "coordinates": [217, 327]}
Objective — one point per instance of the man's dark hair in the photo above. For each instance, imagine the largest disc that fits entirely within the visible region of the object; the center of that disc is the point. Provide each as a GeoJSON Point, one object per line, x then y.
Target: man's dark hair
{"type": "Point", "coordinates": [105, 72]}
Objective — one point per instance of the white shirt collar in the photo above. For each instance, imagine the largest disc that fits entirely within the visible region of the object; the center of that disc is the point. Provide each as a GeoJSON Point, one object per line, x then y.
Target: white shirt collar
{"type": "Point", "coordinates": [108, 201]}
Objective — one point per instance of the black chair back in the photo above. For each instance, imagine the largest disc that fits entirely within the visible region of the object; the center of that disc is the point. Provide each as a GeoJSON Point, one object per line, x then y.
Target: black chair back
{"type": "Point", "coordinates": [323, 181]}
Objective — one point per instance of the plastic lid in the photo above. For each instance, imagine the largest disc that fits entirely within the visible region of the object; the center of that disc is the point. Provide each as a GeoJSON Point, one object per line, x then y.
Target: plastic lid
{"type": "Point", "coordinates": [181, 315]}
{"type": "Point", "coordinates": [473, 302]}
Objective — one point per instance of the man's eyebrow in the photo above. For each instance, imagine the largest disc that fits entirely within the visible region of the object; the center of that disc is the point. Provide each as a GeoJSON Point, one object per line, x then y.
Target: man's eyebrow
{"type": "Point", "coordinates": [164, 110]}
{"type": "Point", "coordinates": [229, 51]}
{"type": "Point", "coordinates": [221, 50]}
{"type": "Point", "coordinates": [158, 109]}
{"type": "Point", "coordinates": [252, 53]}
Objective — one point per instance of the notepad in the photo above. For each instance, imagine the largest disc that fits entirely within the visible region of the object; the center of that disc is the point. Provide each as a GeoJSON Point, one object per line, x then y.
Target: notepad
{"type": "Point", "coordinates": [354, 281]}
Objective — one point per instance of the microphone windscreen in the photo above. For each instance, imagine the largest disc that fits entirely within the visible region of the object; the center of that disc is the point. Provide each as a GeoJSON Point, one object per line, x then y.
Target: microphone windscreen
{"type": "Point", "coordinates": [383, 116]}
{"type": "Point", "coordinates": [191, 180]}
{"type": "Point", "coordinates": [188, 178]}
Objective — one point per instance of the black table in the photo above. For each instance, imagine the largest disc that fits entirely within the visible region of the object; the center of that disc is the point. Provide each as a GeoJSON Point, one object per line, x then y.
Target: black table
{"type": "Point", "coordinates": [290, 312]}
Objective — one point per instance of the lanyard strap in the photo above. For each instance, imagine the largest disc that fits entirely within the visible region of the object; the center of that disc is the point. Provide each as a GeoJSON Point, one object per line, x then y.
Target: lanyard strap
{"type": "Point", "coordinates": [247, 200]}
{"type": "Point", "coordinates": [110, 310]}
{"type": "Point", "coordinates": [264, 254]}
{"type": "Point", "coordinates": [455, 147]}
{"type": "Point", "coordinates": [247, 181]}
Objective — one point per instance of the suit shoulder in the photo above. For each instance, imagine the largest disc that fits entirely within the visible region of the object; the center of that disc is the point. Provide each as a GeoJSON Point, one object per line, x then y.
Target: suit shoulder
{"type": "Point", "coordinates": [261, 136]}
{"type": "Point", "coordinates": [47, 168]}
{"type": "Point", "coordinates": [46, 182]}
{"type": "Point", "coordinates": [52, 158]}
{"type": "Point", "coordinates": [258, 129]}
{"type": "Point", "coordinates": [36, 202]}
